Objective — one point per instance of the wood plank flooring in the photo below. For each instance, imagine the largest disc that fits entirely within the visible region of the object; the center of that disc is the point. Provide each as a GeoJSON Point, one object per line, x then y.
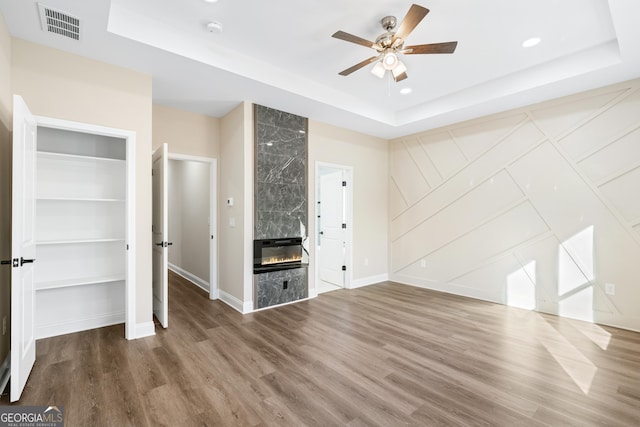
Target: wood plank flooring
{"type": "Point", "coordinates": [383, 355]}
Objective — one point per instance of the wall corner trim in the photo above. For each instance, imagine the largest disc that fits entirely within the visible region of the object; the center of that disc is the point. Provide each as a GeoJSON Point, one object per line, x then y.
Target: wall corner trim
{"type": "Point", "coordinates": [243, 307]}
{"type": "Point", "coordinates": [146, 329]}
{"type": "Point", "coordinates": [366, 281]}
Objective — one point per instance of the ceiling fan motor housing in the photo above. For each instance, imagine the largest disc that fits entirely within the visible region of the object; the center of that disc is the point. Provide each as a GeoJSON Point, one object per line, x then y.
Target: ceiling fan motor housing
{"type": "Point", "coordinates": [388, 23]}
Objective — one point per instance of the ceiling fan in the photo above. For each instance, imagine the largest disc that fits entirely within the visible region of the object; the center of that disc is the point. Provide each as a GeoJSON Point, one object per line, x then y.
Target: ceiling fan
{"type": "Point", "coordinates": [389, 44]}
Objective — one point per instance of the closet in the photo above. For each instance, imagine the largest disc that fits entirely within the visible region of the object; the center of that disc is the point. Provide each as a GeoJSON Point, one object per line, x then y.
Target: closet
{"type": "Point", "coordinates": [80, 231]}
{"type": "Point", "coordinates": [72, 232]}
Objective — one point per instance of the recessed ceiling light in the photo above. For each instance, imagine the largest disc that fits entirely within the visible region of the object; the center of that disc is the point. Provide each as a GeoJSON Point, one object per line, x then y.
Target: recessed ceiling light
{"type": "Point", "coordinates": [405, 90]}
{"type": "Point", "coordinates": [531, 42]}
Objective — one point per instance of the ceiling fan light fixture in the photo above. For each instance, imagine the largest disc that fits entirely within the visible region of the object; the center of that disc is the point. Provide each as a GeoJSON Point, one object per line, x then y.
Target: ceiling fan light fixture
{"type": "Point", "coordinates": [399, 69]}
{"type": "Point", "coordinates": [389, 60]}
{"type": "Point", "coordinates": [378, 70]}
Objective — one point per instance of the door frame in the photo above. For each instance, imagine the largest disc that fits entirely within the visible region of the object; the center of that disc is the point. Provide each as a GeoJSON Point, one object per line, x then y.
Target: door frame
{"type": "Point", "coordinates": [214, 292]}
{"type": "Point", "coordinates": [130, 202]}
{"type": "Point", "coordinates": [347, 172]}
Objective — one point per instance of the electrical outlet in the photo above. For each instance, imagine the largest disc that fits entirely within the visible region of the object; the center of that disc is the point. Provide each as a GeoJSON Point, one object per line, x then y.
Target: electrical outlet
{"type": "Point", "coordinates": [610, 288]}
{"type": "Point", "coordinates": [366, 262]}
{"type": "Point", "coordinates": [4, 325]}
{"type": "Point", "coordinates": [285, 284]}
{"type": "Point", "coordinates": [423, 263]}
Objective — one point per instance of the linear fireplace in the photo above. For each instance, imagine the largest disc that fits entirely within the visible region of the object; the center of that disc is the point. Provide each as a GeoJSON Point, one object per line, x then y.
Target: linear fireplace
{"type": "Point", "coordinates": [277, 254]}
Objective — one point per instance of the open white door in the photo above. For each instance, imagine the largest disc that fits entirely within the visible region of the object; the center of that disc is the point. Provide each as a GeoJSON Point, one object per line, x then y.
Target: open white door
{"type": "Point", "coordinates": [160, 236]}
{"type": "Point", "coordinates": [331, 241]}
{"type": "Point", "coordinates": [23, 247]}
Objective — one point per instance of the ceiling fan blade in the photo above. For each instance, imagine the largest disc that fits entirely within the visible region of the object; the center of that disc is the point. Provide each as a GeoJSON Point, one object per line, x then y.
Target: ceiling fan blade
{"type": "Point", "coordinates": [401, 77]}
{"type": "Point", "coordinates": [358, 66]}
{"type": "Point", "coordinates": [353, 39]}
{"type": "Point", "coordinates": [414, 16]}
{"type": "Point", "coordinates": [448, 47]}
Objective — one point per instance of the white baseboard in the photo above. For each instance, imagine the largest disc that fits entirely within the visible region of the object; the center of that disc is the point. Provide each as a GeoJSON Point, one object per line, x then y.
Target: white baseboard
{"type": "Point", "coordinates": [446, 287]}
{"type": "Point", "coordinates": [233, 302]}
{"type": "Point", "coordinates": [146, 329]}
{"type": "Point", "coordinates": [5, 372]}
{"type": "Point", "coordinates": [366, 281]}
{"type": "Point", "coordinates": [77, 325]}
{"type": "Point", "coordinates": [202, 284]}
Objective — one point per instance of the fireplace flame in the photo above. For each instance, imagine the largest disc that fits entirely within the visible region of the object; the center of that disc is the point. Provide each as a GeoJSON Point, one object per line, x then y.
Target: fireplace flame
{"type": "Point", "coordinates": [279, 260]}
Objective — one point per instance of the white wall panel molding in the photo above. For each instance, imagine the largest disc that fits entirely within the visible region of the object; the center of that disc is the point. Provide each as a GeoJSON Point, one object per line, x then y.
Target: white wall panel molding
{"type": "Point", "coordinates": [536, 208]}
{"type": "Point", "coordinates": [423, 161]}
{"type": "Point", "coordinates": [444, 153]}
{"type": "Point", "coordinates": [602, 126]}
{"type": "Point", "coordinates": [613, 159]}
{"type": "Point", "coordinates": [559, 118]}
{"type": "Point", "coordinates": [488, 164]}
{"type": "Point", "coordinates": [476, 205]}
{"type": "Point", "coordinates": [397, 202]}
{"type": "Point", "coordinates": [481, 135]}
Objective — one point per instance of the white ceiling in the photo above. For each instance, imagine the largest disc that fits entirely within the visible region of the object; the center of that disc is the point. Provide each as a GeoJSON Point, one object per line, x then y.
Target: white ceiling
{"type": "Point", "coordinates": [280, 53]}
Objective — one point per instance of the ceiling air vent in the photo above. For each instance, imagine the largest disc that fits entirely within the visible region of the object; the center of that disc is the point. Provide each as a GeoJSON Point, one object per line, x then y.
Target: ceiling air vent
{"type": "Point", "coordinates": [58, 22]}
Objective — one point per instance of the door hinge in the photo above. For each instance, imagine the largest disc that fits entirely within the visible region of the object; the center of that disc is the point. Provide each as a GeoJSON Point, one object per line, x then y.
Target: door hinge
{"type": "Point", "coordinates": [344, 268]}
{"type": "Point", "coordinates": [344, 183]}
{"type": "Point", "coordinates": [344, 226]}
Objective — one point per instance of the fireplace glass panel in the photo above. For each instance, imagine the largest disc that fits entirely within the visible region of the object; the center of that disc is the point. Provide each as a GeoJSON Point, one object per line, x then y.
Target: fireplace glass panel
{"type": "Point", "coordinates": [281, 254]}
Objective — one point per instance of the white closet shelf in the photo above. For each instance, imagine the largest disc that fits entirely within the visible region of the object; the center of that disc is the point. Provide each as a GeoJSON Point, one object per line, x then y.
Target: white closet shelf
{"type": "Point", "coordinates": [78, 199]}
{"type": "Point", "coordinates": [76, 241]}
{"type": "Point", "coordinates": [66, 283]}
{"type": "Point", "coordinates": [64, 156]}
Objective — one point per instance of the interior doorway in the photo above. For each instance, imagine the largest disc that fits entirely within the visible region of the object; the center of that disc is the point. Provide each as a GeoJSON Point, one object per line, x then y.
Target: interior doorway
{"type": "Point", "coordinates": [333, 226]}
{"type": "Point", "coordinates": [192, 220]}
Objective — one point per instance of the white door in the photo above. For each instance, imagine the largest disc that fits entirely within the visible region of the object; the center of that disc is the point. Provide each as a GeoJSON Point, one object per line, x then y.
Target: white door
{"type": "Point", "coordinates": [160, 233]}
{"type": "Point", "coordinates": [331, 241]}
{"type": "Point", "coordinates": [23, 248]}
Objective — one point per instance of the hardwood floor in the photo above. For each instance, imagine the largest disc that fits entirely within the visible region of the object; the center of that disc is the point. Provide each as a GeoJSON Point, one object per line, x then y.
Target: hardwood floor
{"type": "Point", "coordinates": [384, 355]}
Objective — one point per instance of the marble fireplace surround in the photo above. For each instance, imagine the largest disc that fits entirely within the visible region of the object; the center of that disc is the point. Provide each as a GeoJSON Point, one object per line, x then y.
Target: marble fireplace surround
{"type": "Point", "coordinates": [280, 198]}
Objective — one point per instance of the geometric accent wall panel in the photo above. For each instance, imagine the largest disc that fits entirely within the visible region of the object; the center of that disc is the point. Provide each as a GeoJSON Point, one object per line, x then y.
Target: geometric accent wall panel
{"type": "Point", "coordinates": [538, 208]}
{"type": "Point", "coordinates": [444, 153]}
{"type": "Point", "coordinates": [556, 119]}
{"type": "Point", "coordinates": [479, 137]}
{"type": "Point", "coordinates": [604, 127]}
{"type": "Point", "coordinates": [406, 174]}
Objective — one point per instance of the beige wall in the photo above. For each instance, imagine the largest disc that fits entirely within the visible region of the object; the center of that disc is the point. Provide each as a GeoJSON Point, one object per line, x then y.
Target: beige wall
{"type": "Point", "coordinates": [6, 116]}
{"type": "Point", "coordinates": [185, 132]}
{"type": "Point", "coordinates": [236, 181]}
{"type": "Point", "coordinates": [537, 208]}
{"type": "Point", "coordinates": [368, 156]}
{"type": "Point", "coordinates": [65, 86]}
{"type": "Point", "coordinates": [189, 217]}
